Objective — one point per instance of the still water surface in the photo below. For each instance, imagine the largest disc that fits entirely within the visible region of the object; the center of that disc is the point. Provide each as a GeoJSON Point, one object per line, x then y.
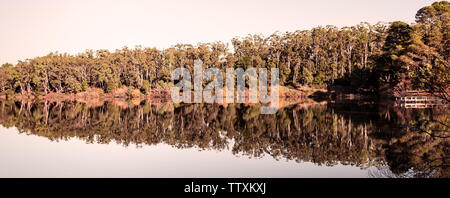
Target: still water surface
{"type": "Point", "coordinates": [203, 140]}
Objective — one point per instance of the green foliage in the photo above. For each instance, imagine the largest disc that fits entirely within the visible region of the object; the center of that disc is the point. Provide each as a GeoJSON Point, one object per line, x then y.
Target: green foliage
{"type": "Point", "coordinates": [417, 57]}
{"type": "Point", "coordinates": [84, 85]}
{"type": "Point", "coordinates": [390, 67]}
{"type": "Point", "coordinates": [145, 86]}
{"type": "Point", "coordinates": [298, 55]}
{"type": "Point", "coordinates": [393, 53]}
{"type": "Point", "coordinates": [319, 78]}
{"type": "Point", "coordinates": [307, 78]}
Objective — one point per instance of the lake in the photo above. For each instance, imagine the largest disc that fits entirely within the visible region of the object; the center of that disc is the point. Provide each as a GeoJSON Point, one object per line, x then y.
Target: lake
{"type": "Point", "coordinates": [69, 139]}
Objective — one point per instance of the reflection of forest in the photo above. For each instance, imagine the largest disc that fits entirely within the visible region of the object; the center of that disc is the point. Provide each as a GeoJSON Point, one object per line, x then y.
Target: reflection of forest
{"type": "Point", "coordinates": [363, 136]}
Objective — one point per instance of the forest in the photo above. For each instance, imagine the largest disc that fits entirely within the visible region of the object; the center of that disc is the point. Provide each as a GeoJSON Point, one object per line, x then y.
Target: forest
{"type": "Point", "coordinates": [369, 58]}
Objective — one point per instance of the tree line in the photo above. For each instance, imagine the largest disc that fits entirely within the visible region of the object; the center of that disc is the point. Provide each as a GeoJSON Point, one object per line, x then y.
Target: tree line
{"type": "Point", "coordinates": [395, 55]}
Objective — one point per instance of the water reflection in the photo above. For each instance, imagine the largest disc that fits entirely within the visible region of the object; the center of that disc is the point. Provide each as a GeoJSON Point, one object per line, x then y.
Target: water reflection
{"type": "Point", "coordinates": [391, 142]}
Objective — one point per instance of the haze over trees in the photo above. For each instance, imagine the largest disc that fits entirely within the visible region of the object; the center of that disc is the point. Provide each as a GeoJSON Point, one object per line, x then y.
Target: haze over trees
{"type": "Point", "coordinates": [368, 57]}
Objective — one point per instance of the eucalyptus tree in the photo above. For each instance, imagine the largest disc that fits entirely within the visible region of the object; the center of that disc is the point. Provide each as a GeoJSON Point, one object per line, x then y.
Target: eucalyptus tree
{"type": "Point", "coordinates": [428, 54]}
{"type": "Point", "coordinates": [390, 68]}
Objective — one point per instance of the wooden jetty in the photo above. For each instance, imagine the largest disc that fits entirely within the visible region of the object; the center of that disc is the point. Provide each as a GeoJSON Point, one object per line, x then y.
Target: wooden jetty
{"type": "Point", "coordinates": [420, 101]}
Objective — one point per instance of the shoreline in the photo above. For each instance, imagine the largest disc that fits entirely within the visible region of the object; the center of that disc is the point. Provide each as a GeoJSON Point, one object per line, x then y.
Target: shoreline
{"type": "Point", "coordinates": [125, 96]}
{"type": "Point", "coordinates": [163, 94]}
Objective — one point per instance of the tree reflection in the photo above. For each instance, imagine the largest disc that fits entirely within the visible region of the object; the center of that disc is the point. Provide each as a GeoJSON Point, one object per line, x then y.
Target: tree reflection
{"type": "Point", "coordinates": [367, 136]}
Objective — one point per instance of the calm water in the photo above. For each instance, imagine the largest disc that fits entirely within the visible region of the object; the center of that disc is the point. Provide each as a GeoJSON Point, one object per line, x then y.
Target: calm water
{"type": "Point", "coordinates": [166, 140]}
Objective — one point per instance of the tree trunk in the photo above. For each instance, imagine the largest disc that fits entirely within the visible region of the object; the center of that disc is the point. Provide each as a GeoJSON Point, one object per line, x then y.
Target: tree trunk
{"type": "Point", "coordinates": [366, 54]}
{"type": "Point", "coordinates": [296, 68]}
{"type": "Point", "coordinates": [350, 60]}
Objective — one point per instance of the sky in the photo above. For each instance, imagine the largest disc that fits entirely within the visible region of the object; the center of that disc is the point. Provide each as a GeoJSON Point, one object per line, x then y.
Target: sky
{"type": "Point", "coordinates": [30, 28]}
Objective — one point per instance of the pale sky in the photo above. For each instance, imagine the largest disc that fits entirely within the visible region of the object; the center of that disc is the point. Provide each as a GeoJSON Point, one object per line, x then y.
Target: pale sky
{"type": "Point", "coordinates": [31, 28]}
